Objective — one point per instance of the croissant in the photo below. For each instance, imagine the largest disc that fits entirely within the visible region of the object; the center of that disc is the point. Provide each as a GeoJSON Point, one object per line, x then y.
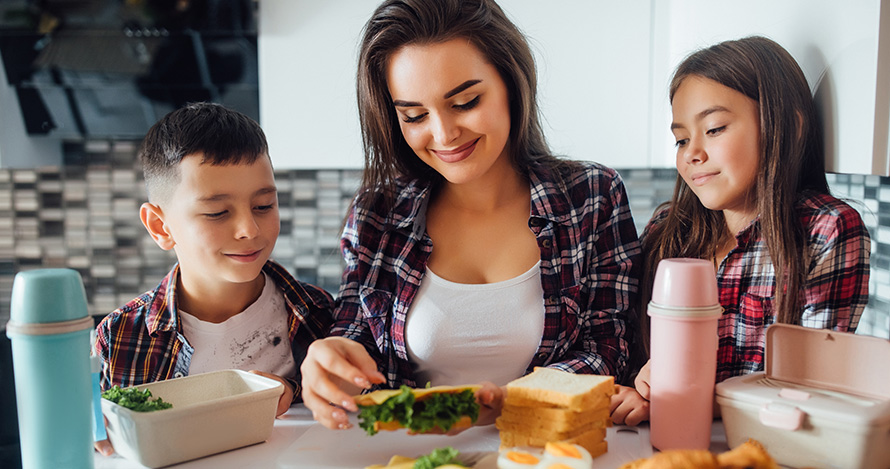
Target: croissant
{"type": "Point", "coordinates": [750, 455]}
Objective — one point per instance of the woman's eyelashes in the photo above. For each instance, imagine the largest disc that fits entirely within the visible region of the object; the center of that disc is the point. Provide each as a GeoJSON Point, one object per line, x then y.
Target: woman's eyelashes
{"type": "Point", "coordinates": [460, 107]}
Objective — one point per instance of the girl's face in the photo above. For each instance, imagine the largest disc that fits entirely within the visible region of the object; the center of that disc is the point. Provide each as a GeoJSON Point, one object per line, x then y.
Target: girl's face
{"type": "Point", "coordinates": [453, 109]}
{"type": "Point", "coordinates": [718, 144]}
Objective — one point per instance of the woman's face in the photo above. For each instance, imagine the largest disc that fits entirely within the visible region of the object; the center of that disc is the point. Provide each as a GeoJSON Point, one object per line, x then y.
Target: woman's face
{"type": "Point", "coordinates": [453, 109]}
{"type": "Point", "coordinates": [718, 144]}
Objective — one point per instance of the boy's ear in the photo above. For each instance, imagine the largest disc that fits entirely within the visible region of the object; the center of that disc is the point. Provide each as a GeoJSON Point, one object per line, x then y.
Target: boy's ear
{"type": "Point", "coordinates": [153, 218]}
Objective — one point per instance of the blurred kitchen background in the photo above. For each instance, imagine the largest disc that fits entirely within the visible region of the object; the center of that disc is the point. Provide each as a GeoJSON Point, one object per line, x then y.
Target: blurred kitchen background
{"type": "Point", "coordinates": [82, 80]}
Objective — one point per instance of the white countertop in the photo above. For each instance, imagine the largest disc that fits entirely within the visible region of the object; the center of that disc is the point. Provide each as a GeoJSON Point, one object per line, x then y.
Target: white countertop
{"type": "Point", "coordinates": [298, 442]}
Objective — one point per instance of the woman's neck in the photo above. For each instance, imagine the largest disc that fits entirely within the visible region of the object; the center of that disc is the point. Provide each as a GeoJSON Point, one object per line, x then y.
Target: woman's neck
{"type": "Point", "coordinates": [500, 186]}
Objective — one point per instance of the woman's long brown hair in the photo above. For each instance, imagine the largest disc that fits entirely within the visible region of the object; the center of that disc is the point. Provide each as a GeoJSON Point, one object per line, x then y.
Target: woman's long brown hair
{"type": "Point", "coordinates": [792, 161]}
{"type": "Point", "coordinates": [398, 23]}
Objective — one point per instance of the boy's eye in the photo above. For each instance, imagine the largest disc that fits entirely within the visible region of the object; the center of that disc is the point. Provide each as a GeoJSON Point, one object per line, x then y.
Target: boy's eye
{"type": "Point", "coordinates": [265, 208]}
{"type": "Point", "coordinates": [215, 214]}
{"type": "Point", "coordinates": [469, 105]}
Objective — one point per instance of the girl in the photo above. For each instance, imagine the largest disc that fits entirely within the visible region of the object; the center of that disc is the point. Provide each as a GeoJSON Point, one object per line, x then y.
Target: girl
{"type": "Point", "coordinates": [751, 196]}
{"type": "Point", "coordinates": [472, 253]}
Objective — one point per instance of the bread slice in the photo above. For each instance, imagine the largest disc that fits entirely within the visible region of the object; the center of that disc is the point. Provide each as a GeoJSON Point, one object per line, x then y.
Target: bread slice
{"type": "Point", "coordinates": [516, 401]}
{"type": "Point", "coordinates": [592, 440]}
{"type": "Point", "coordinates": [549, 433]}
{"type": "Point", "coordinates": [561, 389]}
{"type": "Point", "coordinates": [554, 419]}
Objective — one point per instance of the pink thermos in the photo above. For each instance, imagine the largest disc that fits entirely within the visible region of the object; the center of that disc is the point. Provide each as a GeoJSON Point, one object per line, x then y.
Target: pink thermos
{"type": "Point", "coordinates": [684, 311]}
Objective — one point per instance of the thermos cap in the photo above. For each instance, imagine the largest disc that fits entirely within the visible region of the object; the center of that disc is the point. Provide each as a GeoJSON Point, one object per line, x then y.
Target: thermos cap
{"type": "Point", "coordinates": [47, 296]}
{"type": "Point", "coordinates": [687, 283]}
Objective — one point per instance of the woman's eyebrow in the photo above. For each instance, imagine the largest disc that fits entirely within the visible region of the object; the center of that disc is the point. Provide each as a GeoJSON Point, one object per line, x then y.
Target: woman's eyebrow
{"type": "Point", "coordinates": [461, 87]}
{"type": "Point", "coordinates": [456, 90]}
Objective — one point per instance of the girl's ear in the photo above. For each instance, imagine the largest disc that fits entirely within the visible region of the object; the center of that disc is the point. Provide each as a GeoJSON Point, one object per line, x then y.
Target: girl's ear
{"type": "Point", "coordinates": [799, 116]}
{"type": "Point", "coordinates": [153, 218]}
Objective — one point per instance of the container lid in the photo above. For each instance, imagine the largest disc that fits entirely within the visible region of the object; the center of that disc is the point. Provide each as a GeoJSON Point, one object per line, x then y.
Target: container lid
{"type": "Point", "coordinates": [826, 359]}
{"type": "Point", "coordinates": [685, 282]}
{"type": "Point", "coordinates": [46, 296]}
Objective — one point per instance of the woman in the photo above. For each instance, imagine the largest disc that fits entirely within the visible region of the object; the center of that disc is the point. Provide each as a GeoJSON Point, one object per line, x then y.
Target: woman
{"type": "Point", "coordinates": [472, 253]}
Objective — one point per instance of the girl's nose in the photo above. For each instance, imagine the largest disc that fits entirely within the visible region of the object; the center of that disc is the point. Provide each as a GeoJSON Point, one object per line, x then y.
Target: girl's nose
{"type": "Point", "coordinates": [444, 129]}
{"type": "Point", "coordinates": [693, 152]}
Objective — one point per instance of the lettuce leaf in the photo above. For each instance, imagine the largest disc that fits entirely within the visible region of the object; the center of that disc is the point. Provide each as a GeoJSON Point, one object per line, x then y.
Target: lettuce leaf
{"type": "Point", "coordinates": [440, 410]}
{"type": "Point", "coordinates": [438, 457]}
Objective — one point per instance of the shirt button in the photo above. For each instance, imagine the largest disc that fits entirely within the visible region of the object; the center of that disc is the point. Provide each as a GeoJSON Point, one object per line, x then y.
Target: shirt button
{"type": "Point", "coordinates": [554, 300]}
{"type": "Point", "coordinates": [542, 356]}
{"type": "Point", "coordinates": [546, 243]}
{"type": "Point", "coordinates": [178, 374]}
{"type": "Point", "coordinates": [536, 222]}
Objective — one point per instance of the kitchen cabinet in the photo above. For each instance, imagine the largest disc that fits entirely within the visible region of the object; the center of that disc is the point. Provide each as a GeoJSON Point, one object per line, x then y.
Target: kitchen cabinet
{"type": "Point", "coordinates": [592, 58]}
{"type": "Point", "coordinates": [604, 69]}
{"type": "Point", "coordinates": [842, 47]}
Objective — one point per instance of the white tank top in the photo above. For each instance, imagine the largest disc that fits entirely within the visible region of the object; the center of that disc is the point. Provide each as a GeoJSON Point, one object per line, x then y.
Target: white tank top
{"type": "Point", "coordinates": [466, 333]}
{"type": "Point", "coordinates": [254, 339]}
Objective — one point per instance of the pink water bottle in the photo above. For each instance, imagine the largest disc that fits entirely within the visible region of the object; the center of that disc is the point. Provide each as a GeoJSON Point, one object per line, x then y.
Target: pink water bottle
{"type": "Point", "coordinates": [684, 311]}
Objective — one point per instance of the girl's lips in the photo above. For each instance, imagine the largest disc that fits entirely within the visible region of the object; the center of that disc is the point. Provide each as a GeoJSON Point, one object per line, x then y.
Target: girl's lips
{"type": "Point", "coordinates": [458, 154]}
{"type": "Point", "coordinates": [702, 178]}
{"type": "Point", "coordinates": [246, 257]}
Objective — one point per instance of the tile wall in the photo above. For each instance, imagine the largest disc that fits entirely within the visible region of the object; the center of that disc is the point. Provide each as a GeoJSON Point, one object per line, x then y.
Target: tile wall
{"type": "Point", "coordinates": [84, 216]}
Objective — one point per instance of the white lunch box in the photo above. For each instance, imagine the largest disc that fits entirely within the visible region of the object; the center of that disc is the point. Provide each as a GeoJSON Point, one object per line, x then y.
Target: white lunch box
{"type": "Point", "coordinates": [823, 401]}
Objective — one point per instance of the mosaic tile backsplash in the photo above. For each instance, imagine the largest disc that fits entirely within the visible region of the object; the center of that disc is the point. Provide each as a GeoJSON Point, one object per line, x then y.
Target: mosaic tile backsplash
{"type": "Point", "coordinates": [84, 216]}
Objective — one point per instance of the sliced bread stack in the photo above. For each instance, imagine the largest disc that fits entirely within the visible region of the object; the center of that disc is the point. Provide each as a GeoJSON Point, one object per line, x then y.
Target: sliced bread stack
{"type": "Point", "coordinates": [550, 405]}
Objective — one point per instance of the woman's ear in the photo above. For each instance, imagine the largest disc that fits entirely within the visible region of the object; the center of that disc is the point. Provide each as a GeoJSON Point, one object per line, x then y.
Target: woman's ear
{"type": "Point", "coordinates": [153, 218]}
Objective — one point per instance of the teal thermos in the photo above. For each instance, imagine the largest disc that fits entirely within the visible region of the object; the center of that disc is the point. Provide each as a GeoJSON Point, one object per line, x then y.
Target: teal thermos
{"type": "Point", "coordinates": [49, 328]}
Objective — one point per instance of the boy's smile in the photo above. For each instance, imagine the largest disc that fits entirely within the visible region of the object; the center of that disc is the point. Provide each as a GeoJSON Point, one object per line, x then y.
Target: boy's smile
{"type": "Point", "coordinates": [223, 222]}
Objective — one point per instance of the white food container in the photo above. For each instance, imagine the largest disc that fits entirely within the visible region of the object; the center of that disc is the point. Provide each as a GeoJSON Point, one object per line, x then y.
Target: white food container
{"type": "Point", "coordinates": [823, 400]}
{"type": "Point", "coordinates": [212, 412]}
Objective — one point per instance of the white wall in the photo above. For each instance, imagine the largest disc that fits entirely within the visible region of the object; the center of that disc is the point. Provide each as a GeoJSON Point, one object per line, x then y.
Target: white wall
{"type": "Point", "coordinates": [604, 70]}
{"type": "Point", "coordinates": [835, 43]}
{"type": "Point", "coordinates": [592, 56]}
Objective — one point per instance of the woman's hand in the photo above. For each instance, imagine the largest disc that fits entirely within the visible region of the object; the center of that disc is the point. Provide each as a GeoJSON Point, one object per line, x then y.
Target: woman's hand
{"type": "Point", "coordinates": [334, 370]}
{"type": "Point", "coordinates": [287, 396]}
{"type": "Point", "coordinates": [642, 381]}
{"type": "Point", "coordinates": [491, 399]}
{"type": "Point", "coordinates": [628, 407]}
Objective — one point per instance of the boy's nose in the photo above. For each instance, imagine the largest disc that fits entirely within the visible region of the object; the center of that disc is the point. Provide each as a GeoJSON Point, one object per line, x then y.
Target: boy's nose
{"type": "Point", "coordinates": [247, 227]}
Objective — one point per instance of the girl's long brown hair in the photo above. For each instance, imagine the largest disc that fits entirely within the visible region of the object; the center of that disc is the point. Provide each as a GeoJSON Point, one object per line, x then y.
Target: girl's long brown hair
{"type": "Point", "coordinates": [792, 160]}
{"type": "Point", "coordinates": [398, 23]}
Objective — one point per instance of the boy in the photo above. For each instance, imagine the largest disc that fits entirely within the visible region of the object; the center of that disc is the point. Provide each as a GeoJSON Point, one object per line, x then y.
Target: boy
{"type": "Point", "coordinates": [212, 199]}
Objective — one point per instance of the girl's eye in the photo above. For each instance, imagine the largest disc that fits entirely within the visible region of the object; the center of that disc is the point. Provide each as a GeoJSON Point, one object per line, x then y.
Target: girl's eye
{"type": "Point", "coordinates": [469, 105]}
{"type": "Point", "coordinates": [681, 142]}
{"type": "Point", "coordinates": [716, 130]}
{"type": "Point", "coordinates": [413, 119]}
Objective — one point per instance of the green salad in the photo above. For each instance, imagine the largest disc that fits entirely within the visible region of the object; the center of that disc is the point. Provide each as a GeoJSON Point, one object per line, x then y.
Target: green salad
{"type": "Point", "coordinates": [438, 457]}
{"type": "Point", "coordinates": [134, 399]}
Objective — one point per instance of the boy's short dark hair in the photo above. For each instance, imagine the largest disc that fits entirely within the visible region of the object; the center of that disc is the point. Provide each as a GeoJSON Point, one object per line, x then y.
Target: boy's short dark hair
{"type": "Point", "coordinates": [220, 135]}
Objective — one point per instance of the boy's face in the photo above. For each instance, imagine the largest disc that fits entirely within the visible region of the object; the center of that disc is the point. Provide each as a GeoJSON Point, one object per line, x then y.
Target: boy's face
{"type": "Point", "coordinates": [222, 221]}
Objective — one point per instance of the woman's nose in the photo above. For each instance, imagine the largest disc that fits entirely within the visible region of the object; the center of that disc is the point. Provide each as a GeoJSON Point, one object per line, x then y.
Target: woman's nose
{"type": "Point", "coordinates": [444, 129]}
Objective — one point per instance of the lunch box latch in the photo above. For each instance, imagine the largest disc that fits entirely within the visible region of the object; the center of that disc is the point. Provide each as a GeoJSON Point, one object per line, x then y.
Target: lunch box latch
{"type": "Point", "coordinates": [781, 416]}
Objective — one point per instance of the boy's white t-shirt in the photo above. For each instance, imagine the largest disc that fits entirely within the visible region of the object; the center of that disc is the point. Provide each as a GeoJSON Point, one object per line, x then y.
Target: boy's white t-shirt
{"type": "Point", "coordinates": [254, 339]}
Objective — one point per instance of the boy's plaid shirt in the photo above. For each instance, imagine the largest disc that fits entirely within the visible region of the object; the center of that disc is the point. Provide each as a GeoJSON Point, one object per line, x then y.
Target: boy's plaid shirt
{"type": "Point", "coordinates": [589, 253]}
{"type": "Point", "coordinates": [833, 296]}
{"type": "Point", "coordinates": [142, 341]}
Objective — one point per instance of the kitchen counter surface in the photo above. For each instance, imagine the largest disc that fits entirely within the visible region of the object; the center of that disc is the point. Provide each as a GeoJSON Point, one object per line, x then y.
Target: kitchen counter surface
{"type": "Point", "coordinates": [297, 442]}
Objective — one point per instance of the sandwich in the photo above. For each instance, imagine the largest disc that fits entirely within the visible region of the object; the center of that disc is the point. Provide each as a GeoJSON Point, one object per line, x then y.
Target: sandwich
{"type": "Point", "coordinates": [549, 405]}
{"type": "Point", "coordinates": [439, 408]}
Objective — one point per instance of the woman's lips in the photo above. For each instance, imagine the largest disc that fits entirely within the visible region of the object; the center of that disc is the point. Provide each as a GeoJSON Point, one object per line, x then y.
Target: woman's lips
{"type": "Point", "coordinates": [246, 257]}
{"type": "Point", "coordinates": [458, 154]}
